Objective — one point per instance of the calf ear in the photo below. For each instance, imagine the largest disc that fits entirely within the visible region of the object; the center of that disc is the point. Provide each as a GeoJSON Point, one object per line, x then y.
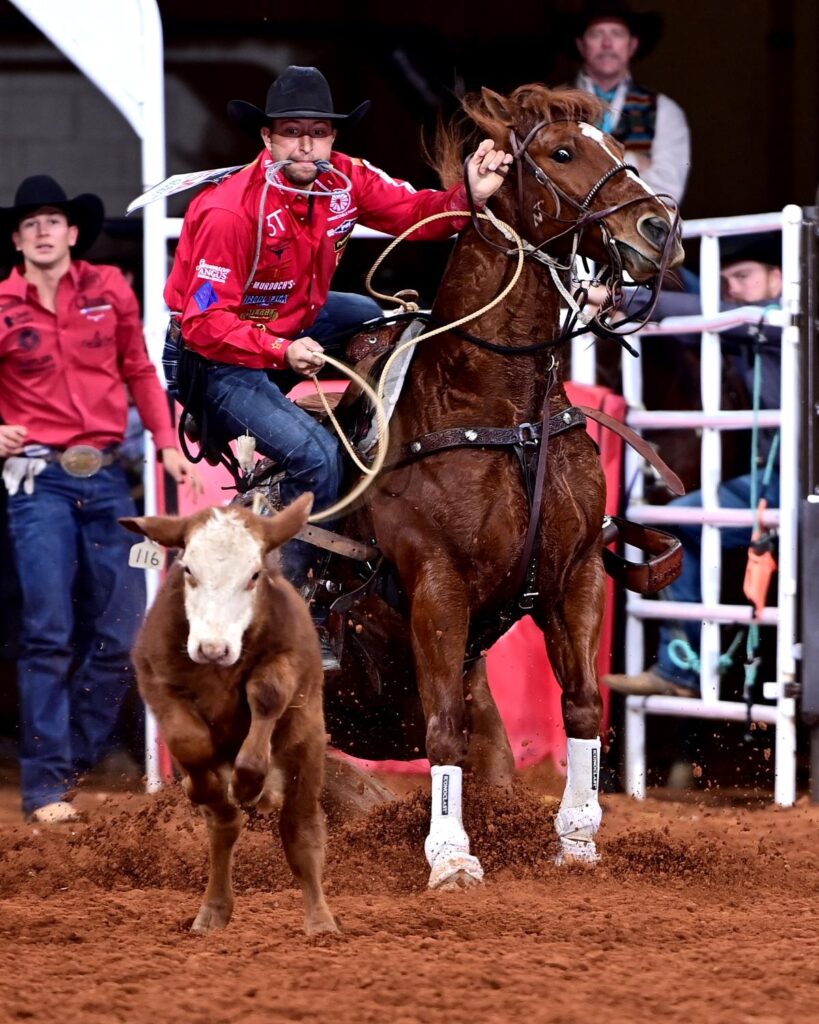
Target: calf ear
{"type": "Point", "coordinates": [287, 523]}
{"type": "Point", "coordinates": [169, 531]}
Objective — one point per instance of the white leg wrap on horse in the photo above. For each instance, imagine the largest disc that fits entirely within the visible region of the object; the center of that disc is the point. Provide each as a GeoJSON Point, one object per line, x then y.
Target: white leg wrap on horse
{"type": "Point", "coordinates": [447, 845]}
{"type": "Point", "coordinates": [579, 816]}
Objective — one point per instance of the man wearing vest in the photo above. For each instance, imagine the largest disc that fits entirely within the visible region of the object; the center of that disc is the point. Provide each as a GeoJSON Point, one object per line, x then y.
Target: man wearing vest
{"type": "Point", "coordinates": [651, 126]}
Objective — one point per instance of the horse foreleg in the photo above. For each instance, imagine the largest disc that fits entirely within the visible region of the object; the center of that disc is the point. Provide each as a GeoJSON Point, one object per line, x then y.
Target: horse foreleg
{"type": "Point", "coordinates": [572, 638]}
{"type": "Point", "coordinates": [490, 754]}
{"type": "Point", "coordinates": [439, 622]}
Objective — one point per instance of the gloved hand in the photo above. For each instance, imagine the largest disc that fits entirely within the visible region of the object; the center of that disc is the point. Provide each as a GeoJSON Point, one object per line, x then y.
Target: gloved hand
{"type": "Point", "coordinates": [21, 470]}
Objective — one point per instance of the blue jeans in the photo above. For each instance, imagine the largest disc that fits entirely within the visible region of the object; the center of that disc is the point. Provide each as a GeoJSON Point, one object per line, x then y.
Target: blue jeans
{"type": "Point", "coordinates": [342, 311]}
{"type": "Point", "coordinates": [734, 493]}
{"type": "Point", "coordinates": [242, 401]}
{"type": "Point", "coordinates": [82, 606]}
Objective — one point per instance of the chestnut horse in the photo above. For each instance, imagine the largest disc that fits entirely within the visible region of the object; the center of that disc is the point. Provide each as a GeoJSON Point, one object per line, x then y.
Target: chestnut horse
{"type": "Point", "coordinates": [455, 523]}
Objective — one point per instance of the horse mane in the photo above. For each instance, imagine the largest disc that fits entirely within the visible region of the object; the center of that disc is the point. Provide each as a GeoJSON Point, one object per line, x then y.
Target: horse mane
{"type": "Point", "coordinates": [479, 118]}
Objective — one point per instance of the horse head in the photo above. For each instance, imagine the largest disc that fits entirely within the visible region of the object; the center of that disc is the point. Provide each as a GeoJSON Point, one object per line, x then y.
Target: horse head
{"type": "Point", "coordinates": [570, 187]}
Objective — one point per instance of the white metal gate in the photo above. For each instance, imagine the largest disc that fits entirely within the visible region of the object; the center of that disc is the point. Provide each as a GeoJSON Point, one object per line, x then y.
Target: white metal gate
{"type": "Point", "coordinates": [712, 420]}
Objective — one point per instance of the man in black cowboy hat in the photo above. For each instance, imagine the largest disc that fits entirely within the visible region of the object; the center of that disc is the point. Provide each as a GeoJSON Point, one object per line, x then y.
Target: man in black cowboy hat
{"type": "Point", "coordinates": [252, 273]}
{"type": "Point", "coordinates": [652, 127]}
{"type": "Point", "coordinates": [71, 348]}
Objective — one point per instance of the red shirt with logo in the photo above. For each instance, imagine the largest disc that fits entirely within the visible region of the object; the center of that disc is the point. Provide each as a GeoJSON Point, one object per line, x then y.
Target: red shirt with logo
{"type": "Point", "coordinates": [248, 278]}
{"type": "Point", "coordinates": [64, 375]}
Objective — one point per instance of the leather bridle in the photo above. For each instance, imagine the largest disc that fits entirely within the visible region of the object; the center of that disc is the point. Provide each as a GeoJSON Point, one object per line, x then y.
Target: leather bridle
{"type": "Point", "coordinates": [578, 224]}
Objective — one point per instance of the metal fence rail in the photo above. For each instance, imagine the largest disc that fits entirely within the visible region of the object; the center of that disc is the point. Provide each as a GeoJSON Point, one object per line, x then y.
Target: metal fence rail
{"type": "Point", "coordinates": [711, 420]}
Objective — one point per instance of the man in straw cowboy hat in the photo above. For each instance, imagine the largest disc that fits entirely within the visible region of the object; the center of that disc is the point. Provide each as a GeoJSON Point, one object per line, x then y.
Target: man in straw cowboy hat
{"type": "Point", "coordinates": [71, 348]}
{"type": "Point", "coordinates": [608, 35]}
{"type": "Point", "coordinates": [256, 257]}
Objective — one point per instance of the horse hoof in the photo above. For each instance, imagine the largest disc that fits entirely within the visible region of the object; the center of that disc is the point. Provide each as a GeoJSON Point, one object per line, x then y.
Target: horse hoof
{"type": "Point", "coordinates": [325, 925]}
{"type": "Point", "coordinates": [459, 871]}
{"type": "Point", "coordinates": [577, 851]}
{"type": "Point", "coordinates": [210, 919]}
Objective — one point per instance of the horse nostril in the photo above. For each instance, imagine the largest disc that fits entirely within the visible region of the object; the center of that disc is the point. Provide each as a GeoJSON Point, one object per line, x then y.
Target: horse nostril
{"type": "Point", "coordinates": [654, 230]}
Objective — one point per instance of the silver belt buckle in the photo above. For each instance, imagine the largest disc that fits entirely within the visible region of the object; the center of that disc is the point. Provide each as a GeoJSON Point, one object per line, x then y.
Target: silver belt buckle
{"type": "Point", "coordinates": [81, 460]}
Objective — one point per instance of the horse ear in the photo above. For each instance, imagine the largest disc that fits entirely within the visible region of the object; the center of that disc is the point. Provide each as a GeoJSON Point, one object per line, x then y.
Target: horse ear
{"type": "Point", "coordinates": [287, 523]}
{"type": "Point", "coordinates": [497, 107]}
{"type": "Point", "coordinates": [169, 531]}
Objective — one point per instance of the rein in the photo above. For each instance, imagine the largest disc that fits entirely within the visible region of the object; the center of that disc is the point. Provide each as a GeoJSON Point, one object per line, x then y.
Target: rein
{"type": "Point", "coordinates": [576, 226]}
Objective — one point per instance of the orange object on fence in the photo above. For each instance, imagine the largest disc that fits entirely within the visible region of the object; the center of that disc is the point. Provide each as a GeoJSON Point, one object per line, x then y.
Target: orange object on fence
{"type": "Point", "coordinates": [761, 566]}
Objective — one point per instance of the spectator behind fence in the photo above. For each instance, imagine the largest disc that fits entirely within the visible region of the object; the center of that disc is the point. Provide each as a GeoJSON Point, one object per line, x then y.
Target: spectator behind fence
{"type": "Point", "coordinates": [652, 127]}
{"type": "Point", "coordinates": [751, 275]}
{"type": "Point", "coordinates": [253, 269]}
{"type": "Point", "coordinates": [70, 342]}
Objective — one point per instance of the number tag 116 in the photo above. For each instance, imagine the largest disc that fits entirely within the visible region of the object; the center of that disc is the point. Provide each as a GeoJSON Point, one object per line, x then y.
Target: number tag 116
{"type": "Point", "coordinates": [147, 555]}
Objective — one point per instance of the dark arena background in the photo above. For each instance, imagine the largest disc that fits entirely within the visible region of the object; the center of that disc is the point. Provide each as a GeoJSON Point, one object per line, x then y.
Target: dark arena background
{"type": "Point", "coordinates": [704, 907]}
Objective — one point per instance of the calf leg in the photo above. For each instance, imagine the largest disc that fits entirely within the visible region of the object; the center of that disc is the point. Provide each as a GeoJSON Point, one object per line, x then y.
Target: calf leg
{"type": "Point", "coordinates": [224, 822]}
{"type": "Point", "coordinates": [267, 697]}
{"type": "Point", "coordinates": [572, 638]}
{"type": "Point", "coordinates": [190, 741]}
{"type": "Point", "coordinates": [302, 825]}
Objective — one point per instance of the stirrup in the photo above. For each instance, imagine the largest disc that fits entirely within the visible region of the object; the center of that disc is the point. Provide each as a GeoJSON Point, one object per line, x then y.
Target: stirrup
{"type": "Point", "coordinates": [329, 656]}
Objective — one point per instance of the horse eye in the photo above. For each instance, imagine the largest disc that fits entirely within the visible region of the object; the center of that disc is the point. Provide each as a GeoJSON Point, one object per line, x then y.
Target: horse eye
{"type": "Point", "coordinates": [561, 156]}
{"type": "Point", "coordinates": [187, 571]}
{"type": "Point", "coordinates": [255, 576]}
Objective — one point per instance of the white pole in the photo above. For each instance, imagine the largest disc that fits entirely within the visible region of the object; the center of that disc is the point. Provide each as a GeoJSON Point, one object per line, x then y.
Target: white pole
{"type": "Point", "coordinates": [710, 466]}
{"type": "Point", "coordinates": [785, 764]}
{"type": "Point", "coordinates": [154, 274]}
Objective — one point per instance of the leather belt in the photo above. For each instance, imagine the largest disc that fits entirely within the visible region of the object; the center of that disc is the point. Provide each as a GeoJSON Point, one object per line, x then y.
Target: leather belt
{"type": "Point", "coordinates": [81, 460]}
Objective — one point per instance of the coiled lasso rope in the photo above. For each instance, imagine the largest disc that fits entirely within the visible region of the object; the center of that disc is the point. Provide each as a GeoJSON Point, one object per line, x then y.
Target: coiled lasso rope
{"type": "Point", "coordinates": [369, 472]}
{"type": "Point", "coordinates": [512, 236]}
{"type": "Point", "coordinates": [377, 396]}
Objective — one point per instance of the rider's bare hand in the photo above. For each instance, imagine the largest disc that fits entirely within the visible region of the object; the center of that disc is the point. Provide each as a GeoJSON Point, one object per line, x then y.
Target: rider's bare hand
{"type": "Point", "coordinates": [486, 169]}
{"type": "Point", "coordinates": [304, 356]}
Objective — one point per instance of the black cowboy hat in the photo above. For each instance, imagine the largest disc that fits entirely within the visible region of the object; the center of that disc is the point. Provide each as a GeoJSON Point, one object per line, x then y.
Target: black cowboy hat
{"type": "Point", "coordinates": [765, 247]}
{"type": "Point", "coordinates": [85, 211]}
{"type": "Point", "coordinates": [297, 92]}
{"type": "Point", "coordinates": [647, 26]}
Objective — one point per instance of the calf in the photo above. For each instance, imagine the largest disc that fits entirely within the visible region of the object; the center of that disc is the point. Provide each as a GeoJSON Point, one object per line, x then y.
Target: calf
{"type": "Point", "coordinates": [229, 662]}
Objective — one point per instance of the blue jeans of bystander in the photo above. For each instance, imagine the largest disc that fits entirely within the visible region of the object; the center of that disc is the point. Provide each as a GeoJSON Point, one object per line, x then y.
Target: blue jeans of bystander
{"type": "Point", "coordinates": [734, 493]}
{"type": "Point", "coordinates": [82, 606]}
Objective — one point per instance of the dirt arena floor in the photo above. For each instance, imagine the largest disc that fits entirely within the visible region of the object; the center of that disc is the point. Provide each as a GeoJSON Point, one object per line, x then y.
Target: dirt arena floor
{"type": "Point", "coordinates": [704, 909]}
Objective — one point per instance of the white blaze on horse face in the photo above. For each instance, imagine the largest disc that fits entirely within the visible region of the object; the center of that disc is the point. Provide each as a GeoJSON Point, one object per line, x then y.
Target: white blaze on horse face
{"type": "Point", "coordinates": [220, 561]}
{"type": "Point", "coordinates": [599, 137]}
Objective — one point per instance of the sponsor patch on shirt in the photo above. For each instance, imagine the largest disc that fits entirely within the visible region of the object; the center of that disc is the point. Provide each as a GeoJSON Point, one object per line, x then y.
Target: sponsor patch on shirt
{"type": "Point", "coordinates": [205, 297]}
{"type": "Point", "coordinates": [212, 272]}
{"type": "Point", "coordinates": [265, 300]}
{"type": "Point", "coordinates": [258, 313]}
{"type": "Point", "coordinates": [342, 228]}
{"type": "Point", "coordinates": [273, 286]}
{"type": "Point", "coordinates": [340, 201]}
{"type": "Point", "coordinates": [28, 340]}
{"type": "Point", "coordinates": [24, 316]}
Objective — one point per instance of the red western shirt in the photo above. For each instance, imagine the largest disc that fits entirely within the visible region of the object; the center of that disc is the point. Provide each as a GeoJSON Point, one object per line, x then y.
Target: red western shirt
{"type": "Point", "coordinates": [63, 375]}
{"type": "Point", "coordinates": [232, 316]}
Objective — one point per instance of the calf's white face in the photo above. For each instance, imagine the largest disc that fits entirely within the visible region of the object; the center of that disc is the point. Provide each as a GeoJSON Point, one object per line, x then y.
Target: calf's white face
{"type": "Point", "coordinates": [222, 564]}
